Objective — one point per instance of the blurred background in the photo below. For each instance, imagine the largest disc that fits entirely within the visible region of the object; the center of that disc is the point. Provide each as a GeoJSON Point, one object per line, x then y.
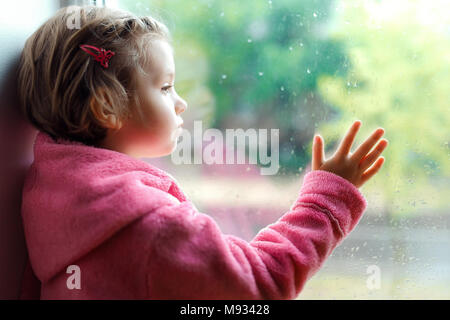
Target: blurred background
{"type": "Point", "coordinates": [307, 67]}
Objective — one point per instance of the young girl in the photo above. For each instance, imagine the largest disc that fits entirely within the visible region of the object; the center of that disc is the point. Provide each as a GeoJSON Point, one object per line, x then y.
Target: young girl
{"type": "Point", "coordinates": [101, 224]}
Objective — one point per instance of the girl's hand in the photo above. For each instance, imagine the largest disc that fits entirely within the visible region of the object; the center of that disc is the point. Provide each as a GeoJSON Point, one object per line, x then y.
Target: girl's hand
{"type": "Point", "coordinates": [356, 167]}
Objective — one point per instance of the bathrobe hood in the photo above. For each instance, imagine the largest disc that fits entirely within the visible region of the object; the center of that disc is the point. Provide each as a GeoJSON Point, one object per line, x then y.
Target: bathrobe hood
{"type": "Point", "coordinates": [73, 203]}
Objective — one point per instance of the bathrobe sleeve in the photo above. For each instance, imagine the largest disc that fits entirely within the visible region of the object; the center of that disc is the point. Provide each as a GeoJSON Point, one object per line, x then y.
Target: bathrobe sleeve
{"type": "Point", "coordinates": [190, 258]}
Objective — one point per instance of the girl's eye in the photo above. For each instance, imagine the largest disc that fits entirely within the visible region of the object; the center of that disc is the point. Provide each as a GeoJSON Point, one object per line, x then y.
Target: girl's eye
{"type": "Point", "coordinates": [166, 89]}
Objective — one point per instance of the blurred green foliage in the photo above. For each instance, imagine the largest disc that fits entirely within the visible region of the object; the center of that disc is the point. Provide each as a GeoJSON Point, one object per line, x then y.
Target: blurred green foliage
{"type": "Point", "coordinates": [314, 66]}
{"type": "Point", "coordinates": [265, 59]}
{"type": "Point", "coordinates": [399, 80]}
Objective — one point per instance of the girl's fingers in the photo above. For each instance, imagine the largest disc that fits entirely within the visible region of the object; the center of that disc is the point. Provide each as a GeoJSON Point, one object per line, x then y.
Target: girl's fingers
{"type": "Point", "coordinates": [367, 161]}
{"type": "Point", "coordinates": [367, 145]}
{"type": "Point", "coordinates": [373, 170]}
{"type": "Point", "coordinates": [318, 153]}
{"type": "Point", "coordinates": [347, 141]}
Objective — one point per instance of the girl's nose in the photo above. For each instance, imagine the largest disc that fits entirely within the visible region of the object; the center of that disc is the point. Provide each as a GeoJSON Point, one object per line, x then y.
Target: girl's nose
{"type": "Point", "coordinates": [181, 106]}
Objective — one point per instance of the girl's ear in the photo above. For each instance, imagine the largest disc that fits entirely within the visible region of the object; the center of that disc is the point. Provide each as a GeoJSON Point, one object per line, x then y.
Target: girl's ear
{"type": "Point", "coordinates": [107, 119]}
{"type": "Point", "coordinates": [112, 122]}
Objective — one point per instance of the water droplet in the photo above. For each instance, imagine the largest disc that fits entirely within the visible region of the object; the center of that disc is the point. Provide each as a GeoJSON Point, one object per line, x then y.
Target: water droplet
{"type": "Point", "coordinates": [308, 71]}
{"type": "Point", "coordinates": [315, 15]}
{"type": "Point", "coordinates": [282, 88]}
{"type": "Point", "coordinates": [290, 48]}
{"type": "Point", "coordinates": [301, 44]}
{"type": "Point", "coordinates": [260, 73]}
{"type": "Point", "coordinates": [224, 76]}
{"type": "Point", "coordinates": [249, 40]}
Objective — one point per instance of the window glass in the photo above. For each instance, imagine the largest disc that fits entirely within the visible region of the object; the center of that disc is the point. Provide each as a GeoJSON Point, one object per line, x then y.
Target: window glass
{"type": "Point", "coordinates": [306, 67]}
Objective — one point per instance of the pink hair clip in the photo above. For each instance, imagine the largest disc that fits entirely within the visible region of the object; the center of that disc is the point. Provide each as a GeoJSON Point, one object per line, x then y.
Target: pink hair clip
{"type": "Point", "coordinates": [101, 55]}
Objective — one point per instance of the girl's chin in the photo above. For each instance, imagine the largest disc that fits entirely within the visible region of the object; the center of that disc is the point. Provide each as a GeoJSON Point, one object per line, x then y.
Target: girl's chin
{"type": "Point", "coordinates": [174, 145]}
{"type": "Point", "coordinates": [176, 135]}
{"type": "Point", "coordinates": [159, 152]}
{"type": "Point", "coordinates": [164, 149]}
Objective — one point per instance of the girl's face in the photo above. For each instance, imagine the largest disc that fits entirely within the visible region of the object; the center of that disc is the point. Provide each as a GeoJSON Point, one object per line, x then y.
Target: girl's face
{"type": "Point", "coordinates": [155, 135]}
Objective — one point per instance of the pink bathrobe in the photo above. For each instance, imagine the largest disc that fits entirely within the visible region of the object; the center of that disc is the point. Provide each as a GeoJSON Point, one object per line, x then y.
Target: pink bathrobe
{"type": "Point", "coordinates": [134, 235]}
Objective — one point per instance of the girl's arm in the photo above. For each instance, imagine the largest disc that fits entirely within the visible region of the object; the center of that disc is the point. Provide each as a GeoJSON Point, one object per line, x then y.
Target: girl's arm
{"type": "Point", "coordinates": [192, 259]}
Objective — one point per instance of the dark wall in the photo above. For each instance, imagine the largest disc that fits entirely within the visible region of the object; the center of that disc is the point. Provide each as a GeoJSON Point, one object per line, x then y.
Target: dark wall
{"type": "Point", "coordinates": [18, 20]}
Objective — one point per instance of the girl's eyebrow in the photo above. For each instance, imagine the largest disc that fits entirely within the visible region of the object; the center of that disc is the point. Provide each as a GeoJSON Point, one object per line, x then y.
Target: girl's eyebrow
{"type": "Point", "coordinates": [170, 74]}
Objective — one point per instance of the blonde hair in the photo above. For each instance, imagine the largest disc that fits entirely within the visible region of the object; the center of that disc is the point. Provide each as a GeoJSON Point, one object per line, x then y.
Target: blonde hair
{"type": "Point", "coordinates": [57, 79]}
